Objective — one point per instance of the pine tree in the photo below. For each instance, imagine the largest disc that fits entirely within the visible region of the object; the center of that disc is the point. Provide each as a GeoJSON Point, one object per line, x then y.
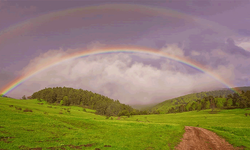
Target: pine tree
{"type": "Point", "coordinates": [24, 97]}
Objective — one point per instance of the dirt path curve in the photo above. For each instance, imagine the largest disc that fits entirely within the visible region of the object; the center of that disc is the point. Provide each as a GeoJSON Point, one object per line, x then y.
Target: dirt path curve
{"type": "Point", "coordinates": [201, 139]}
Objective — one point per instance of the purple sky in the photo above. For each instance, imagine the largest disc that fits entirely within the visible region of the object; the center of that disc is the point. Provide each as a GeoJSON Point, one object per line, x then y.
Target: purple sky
{"type": "Point", "coordinates": [215, 33]}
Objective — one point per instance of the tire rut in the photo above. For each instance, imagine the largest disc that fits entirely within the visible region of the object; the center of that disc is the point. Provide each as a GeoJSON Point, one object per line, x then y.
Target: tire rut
{"type": "Point", "coordinates": [196, 138]}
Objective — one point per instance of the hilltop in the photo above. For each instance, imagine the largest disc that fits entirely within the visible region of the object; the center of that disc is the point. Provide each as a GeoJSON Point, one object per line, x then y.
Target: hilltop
{"type": "Point", "coordinates": [164, 106]}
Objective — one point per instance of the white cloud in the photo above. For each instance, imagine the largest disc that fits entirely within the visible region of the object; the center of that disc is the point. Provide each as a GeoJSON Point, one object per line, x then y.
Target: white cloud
{"type": "Point", "coordinates": [195, 53]}
{"type": "Point", "coordinates": [113, 75]}
{"type": "Point", "coordinates": [118, 76]}
{"type": "Point", "coordinates": [173, 49]}
{"type": "Point", "coordinates": [245, 45]}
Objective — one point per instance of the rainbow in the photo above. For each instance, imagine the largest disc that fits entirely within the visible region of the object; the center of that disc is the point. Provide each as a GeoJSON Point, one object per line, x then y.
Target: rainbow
{"type": "Point", "coordinates": [23, 27]}
{"type": "Point", "coordinates": [18, 81]}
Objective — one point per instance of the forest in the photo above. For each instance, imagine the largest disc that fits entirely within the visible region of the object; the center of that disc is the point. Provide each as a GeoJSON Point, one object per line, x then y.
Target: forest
{"type": "Point", "coordinates": [66, 96]}
{"type": "Point", "coordinates": [231, 101]}
{"type": "Point", "coordinates": [102, 104]}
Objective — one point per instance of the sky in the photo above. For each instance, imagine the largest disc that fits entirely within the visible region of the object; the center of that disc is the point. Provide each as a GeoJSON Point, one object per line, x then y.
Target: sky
{"type": "Point", "coordinates": [213, 33]}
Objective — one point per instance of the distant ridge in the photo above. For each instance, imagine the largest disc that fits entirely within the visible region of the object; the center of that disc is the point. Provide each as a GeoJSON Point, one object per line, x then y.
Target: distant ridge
{"type": "Point", "coordinates": [6, 96]}
{"type": "Point", "coordinates": [165, 105]}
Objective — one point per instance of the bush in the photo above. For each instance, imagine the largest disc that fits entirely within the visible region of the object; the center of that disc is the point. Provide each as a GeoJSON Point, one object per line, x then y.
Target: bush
{"type": "Point", "coordinates": [27, 110]}
{"type": "Point", "coordinates": [246, 114]}
{"type": "Point", "coordinates": [61, 103]}
{"type": "Point", "coordinates": [84, 109]}
{"type": "Point", "coordinates": [18, 108]}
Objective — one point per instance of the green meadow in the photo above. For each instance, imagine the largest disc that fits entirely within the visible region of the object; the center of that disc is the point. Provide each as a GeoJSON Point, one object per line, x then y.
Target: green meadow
{"type": "Point", "coordinates": [69, 127]}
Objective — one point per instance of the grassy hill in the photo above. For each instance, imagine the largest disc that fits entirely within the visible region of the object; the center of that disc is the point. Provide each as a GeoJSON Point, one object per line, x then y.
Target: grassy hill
{"type": "Point", "coordinates": [43, 126]}
{"type": "Point", "coordinates": [165, 105]}
{"type": "Point", "coordinates": [51, 126]}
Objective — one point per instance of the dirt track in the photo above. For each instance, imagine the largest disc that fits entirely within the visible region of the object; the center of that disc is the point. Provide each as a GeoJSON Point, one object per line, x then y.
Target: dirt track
{"type": "Point", "coordinates": [201, 139]}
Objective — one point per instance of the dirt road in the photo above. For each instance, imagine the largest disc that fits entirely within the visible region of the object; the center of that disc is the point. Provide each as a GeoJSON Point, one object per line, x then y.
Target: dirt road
{"type": "Point", "coordinates": [201, 139]}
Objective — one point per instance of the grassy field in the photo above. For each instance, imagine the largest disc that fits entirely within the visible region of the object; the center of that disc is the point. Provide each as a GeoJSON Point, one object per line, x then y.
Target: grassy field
{"type": "Point", "coordinates": [46, 128]}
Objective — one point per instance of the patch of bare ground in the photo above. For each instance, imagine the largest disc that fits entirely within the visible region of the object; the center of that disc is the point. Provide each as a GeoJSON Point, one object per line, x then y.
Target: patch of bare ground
{"type": "Point", "coordinates": [196, 138]}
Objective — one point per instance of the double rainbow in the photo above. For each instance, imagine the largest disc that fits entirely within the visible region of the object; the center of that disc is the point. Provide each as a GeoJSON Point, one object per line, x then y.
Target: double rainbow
{"type": "Point", "coordinates": [23, 27]}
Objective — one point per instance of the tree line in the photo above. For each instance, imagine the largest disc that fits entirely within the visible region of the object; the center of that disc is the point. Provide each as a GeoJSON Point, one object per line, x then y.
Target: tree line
{"type": "Point", "coordinates": [234, 100]}
{"type": "Point", "coordinates": [102, 104]}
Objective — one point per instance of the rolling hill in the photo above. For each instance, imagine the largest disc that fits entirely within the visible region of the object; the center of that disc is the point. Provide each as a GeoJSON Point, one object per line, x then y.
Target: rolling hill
{"type": "Point", "coordinates": [164, 106]}
{"type": "Point", "coordinates": [33, 124]}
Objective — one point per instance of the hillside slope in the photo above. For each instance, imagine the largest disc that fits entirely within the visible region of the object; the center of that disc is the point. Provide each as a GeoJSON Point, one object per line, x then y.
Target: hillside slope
{"type": "Point", "coordinates": [164, 106]}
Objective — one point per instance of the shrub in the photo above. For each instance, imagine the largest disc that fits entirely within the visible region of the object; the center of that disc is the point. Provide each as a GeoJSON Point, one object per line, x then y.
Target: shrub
{"type": "Point", "coordinates": [84, 109]}
{"type": "Point", "coordinates": [107, 117]}
{"type": "Point", "coordinates": [24, 97]}
{"type": "Point", "coordinates": [18, 108]}
{"type": "Point", "coordinates": [111, 118]}
{"type": "Point", "coordinates": [246, 114]}
{"type": "Point", "coordinates": [61, 103]}
{"type": "Point", "coordinates": [27, 110]}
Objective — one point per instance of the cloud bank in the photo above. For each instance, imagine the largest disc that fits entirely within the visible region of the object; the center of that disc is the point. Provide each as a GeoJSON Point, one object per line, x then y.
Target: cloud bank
{"type": "Point", "coordinates": [121, 76]}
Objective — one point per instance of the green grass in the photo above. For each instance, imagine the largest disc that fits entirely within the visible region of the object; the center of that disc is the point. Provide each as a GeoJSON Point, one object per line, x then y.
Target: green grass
{"type": "Point", "coordinates": [232, 124]}
{"type": "Point", "coordinates": [77, 128]}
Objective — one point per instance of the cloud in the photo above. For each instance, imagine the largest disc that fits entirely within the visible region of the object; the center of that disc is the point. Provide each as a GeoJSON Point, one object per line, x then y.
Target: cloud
{"type": "Point", "coordinates": [118, 76]}
{"type": "Point", "coordinates": [173, 49]}
{"type": "Point", "coordinates": [243, 43]}
{"type": "Point", "coordinates": [195, 53]}
{"type": "Point", "coordinates": [135, 78]}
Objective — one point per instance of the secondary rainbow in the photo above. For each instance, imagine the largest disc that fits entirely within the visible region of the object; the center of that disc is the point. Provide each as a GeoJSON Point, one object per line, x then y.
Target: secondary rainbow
{"type": "Point", "coordinates": [25, 26]}
{"type": "Point", "coordinates": [18, 81]}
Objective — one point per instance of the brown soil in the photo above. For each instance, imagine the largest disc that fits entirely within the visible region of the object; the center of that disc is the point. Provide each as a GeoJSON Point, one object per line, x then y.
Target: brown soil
{"type": "Point", "coordinates": [201, 139]}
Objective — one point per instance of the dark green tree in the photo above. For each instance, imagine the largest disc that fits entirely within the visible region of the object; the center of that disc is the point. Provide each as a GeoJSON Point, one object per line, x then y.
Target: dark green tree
{"type": "Point", "coordinates": [24, 97]}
